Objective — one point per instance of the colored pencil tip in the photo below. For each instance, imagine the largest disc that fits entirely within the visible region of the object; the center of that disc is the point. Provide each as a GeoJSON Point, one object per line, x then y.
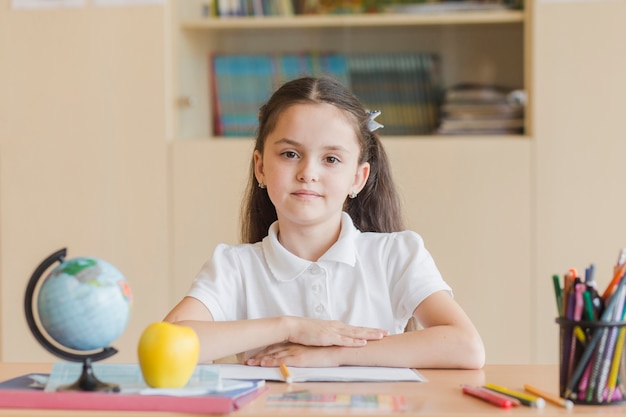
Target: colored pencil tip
{"type": "Point", "coordinates": [568, 404]}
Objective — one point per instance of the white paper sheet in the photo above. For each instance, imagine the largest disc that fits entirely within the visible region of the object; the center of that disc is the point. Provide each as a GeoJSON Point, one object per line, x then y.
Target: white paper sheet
{"type": "Point", "coordinates": [335, 374]}
{"type": "Point", "coordinates": [46, 4]}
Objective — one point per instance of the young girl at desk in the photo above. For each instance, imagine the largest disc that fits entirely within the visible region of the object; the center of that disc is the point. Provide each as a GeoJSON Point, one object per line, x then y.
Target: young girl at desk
{"type": "Point", "coordinates": [327, 276]}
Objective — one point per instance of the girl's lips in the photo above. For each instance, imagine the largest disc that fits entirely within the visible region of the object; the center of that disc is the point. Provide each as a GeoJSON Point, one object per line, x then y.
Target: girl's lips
{"type": "Point", "coordinates": [305, 193]}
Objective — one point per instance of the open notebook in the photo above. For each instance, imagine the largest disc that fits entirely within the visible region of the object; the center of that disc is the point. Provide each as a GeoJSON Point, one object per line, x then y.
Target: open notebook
{"type": "Point", "coordinates": [334, 374]}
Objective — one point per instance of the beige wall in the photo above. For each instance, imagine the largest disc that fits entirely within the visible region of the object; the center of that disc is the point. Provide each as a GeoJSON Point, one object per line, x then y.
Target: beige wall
{"type": "Point", "coordinates": [579, 149]}
{"type": "Point", "coordinates": [83, 156]}
{"type": "Point", "coordinates": [86, 111]}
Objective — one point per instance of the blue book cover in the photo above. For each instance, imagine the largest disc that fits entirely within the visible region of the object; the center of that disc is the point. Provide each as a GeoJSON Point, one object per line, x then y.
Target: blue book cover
{"type": "Point", "coordinates": [242, 83]}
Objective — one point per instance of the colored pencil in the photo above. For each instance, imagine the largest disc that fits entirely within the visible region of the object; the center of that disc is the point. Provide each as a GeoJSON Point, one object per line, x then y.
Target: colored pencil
{"type": "Point", "coordinates": [525, 399]}
{"type": "Point", "coordinates": [562, 402]}
{"type": "Point", "coordinates": [286, 374]}
{"type": "Point", "coordinates": [490, 396]}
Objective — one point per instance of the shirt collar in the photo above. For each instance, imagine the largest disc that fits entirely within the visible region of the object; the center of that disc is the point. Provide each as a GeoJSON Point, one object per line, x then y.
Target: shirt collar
{"type": "Point", "coordinates": [286, 266]}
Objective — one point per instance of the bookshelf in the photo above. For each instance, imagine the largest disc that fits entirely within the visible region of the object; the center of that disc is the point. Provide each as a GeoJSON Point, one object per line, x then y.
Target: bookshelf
{"type": "Point", "coordinates": [485, 47]}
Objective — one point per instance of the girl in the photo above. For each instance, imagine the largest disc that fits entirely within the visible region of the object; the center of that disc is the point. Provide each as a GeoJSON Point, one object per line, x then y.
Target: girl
{"type": "Point", "coordinates": [327, 276]}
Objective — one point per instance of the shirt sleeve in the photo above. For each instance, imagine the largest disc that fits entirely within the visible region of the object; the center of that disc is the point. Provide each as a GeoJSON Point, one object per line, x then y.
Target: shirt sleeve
{"type": "Point", "coordinates": [413, 274]}
{"type": "Point", "coordinates": [218, 285]}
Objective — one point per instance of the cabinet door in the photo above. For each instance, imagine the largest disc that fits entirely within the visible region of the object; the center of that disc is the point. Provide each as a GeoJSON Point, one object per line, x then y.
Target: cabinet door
{"type": "Point", "coordinates": [471, 202]}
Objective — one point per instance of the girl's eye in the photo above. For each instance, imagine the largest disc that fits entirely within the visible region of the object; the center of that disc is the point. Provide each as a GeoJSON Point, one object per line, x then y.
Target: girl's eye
{"type": "Point", "coordinates": [290, 154]}
{"type": "Point", "coordinates": [332, 160]}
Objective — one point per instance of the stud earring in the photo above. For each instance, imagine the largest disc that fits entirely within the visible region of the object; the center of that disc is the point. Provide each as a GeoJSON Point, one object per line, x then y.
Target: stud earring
{"type": "Point", "coordinates": [353, 194]}
{"type": "Point", "coordinates": [261, 185]}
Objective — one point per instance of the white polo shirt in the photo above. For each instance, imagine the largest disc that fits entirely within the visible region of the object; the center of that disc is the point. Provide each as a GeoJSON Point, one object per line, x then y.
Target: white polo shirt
{"type": "Point", "coordinates": [364, 279]}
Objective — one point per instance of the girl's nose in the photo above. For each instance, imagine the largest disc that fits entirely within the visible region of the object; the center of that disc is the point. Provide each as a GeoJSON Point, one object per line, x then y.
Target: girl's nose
{"type": "Point", "coordinates": [307, 171]}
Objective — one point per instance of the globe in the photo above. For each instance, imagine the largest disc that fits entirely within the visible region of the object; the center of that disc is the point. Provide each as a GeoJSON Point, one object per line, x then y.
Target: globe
{"type": "Point", "coordinates": [83, 304]}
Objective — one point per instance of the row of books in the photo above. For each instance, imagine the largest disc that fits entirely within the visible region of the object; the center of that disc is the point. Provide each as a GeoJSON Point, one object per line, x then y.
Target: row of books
{"type": "Point", "coordinates": [471, 109]}
{"type": "Point", "coordinates": [226, 8]}
{"type": "Point", "coordinates": [405, 87]}
{"type": "Point", "coordinates": [450, 6]}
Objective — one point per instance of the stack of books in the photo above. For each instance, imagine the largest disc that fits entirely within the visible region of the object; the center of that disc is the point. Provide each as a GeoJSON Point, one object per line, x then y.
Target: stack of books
{"type": "Point", "coordinates": [229, 8]}
{"type": "Point", "coordinates": [243, 83]}
{"type": "Point", "coordinates": [405, 87]}
{"type": "Point", "coordinates": [476, 109]}
{"type": "Point", "coordinates": [205, 393]}
{"type": "Point", "coordinates": [450, 6]}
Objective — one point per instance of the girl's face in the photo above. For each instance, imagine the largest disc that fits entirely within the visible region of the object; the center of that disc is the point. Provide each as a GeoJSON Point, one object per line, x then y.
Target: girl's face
{"type": "Point", "coordinates": [310, 164]}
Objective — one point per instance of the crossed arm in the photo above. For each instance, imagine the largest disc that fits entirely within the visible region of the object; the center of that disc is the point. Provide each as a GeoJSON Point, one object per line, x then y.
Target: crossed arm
{"type": "Point", "coordinates": [448, 338]}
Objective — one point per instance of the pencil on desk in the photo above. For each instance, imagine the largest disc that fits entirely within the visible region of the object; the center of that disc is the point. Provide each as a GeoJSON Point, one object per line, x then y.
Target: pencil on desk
{"type": "Point", "coordinates": [549, 397]}
{"type": "Point", "coordinates": [491, 397]}
{"type": "Point", "coordinates": [525, 399]}
{"type": "Point", "coordinates": [286, 374]}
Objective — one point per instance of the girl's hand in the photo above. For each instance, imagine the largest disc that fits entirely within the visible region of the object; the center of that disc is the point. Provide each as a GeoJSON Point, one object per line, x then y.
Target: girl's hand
{"type": "Point", "coordinates": [314, 332]}
{"type": "Point", "coordinates": [295, 355]}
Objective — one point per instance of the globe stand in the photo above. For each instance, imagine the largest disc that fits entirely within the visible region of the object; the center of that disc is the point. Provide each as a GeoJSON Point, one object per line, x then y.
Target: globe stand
{"type": "Point", "coordinates": [87, 380]}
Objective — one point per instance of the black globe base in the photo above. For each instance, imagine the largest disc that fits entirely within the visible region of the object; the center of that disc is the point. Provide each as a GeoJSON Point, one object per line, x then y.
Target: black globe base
{"type": "Point", "coordinates": [88, 381]}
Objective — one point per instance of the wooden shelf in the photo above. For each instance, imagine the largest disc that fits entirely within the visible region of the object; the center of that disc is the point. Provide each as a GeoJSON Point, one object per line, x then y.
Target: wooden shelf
{"type": "Point", "coordinates": [393, 138]}
{"type": "Point", "coordinates": [365, 20]}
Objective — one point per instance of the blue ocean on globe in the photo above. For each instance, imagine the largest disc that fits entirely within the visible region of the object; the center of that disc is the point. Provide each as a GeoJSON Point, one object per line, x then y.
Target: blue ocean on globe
{"type": "Point", "coordinates": [84, 303]}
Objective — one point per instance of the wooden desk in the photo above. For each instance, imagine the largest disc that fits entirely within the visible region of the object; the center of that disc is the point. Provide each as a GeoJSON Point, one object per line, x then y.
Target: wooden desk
{"type": "Point", "coordinates": [440, 396]}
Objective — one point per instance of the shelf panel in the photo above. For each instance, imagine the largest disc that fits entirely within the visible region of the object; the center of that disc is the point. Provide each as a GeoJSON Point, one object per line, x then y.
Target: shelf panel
{"type": "Point", "coordinates": [365, 20]}
{"type": "Point", "coordinates": [421, 138]}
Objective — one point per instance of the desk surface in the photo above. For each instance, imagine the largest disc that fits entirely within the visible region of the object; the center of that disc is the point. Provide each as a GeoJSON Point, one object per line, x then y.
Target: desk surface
{"type": "Point", "coordinates": [440, 396]}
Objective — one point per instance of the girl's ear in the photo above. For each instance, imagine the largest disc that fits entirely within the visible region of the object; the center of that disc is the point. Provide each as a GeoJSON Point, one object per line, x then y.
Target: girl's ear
{"type": "Point", "coordinates": [361, 176]}
{"type": "Point", "coordinates": [258, 166]}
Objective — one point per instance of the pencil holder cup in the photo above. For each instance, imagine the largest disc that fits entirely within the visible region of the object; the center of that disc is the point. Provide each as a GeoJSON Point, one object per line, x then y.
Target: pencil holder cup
{"type": "Point", "coordinates": [592, 361]}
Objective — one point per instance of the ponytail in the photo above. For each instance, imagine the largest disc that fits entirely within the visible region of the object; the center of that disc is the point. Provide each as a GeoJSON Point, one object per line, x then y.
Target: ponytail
{"type": "Point", "coordinates": [377, 208]}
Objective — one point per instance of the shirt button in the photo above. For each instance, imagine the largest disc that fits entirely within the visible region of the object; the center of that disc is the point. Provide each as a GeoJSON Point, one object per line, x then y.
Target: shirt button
{"type": "Point", "coordinates": [315, 287]}
{"type": "Point", "coordinates": [319, 309]}
{"type": "Point", "coordinates": [314, 269]}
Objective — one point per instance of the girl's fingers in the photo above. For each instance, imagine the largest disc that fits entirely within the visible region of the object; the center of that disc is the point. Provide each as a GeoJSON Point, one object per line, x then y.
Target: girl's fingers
{"type": "Point", "coordinates": [313, 332]}
{"type": "Point", "coordinates": [374, 334]}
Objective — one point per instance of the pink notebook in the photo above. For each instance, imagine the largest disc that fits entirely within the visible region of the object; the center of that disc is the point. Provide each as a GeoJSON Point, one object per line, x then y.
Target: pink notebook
{"type": "Point", "coordinates": [20, 392]}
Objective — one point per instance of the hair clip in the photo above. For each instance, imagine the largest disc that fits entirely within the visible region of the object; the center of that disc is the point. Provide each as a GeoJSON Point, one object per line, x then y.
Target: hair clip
{"type": "Point", "coordinates": [372, 124]}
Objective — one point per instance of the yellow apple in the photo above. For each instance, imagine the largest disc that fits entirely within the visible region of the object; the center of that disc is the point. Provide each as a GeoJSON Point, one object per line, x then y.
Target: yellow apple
{"type": "Point", "coordinates": [168, 354]}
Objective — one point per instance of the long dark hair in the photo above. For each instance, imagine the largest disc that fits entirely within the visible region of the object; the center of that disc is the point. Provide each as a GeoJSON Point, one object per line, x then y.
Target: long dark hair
{"type": "Point", "coordinates": [376, 208]}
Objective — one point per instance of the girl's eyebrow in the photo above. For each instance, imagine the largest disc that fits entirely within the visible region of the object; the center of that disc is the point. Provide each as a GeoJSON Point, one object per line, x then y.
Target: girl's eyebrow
{"type": "Point", "coordinates": [292, 142]}
{"type": "Point", "coordinates": [286, 141]}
